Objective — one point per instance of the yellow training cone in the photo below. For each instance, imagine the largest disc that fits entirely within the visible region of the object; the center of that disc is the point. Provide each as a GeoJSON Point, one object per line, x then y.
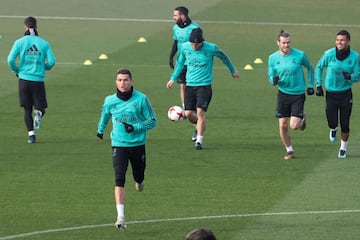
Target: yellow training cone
{"type": "Point", "coordinates": [103, 56]}
{"type": "Point", "coordinates": [258, 60]}
{"type": "Point", "coordinates": [87, 62]}
{"type": "Point", "coordinates": [248, 67]}
{"type": "Point", "coordinates": [142, 40]}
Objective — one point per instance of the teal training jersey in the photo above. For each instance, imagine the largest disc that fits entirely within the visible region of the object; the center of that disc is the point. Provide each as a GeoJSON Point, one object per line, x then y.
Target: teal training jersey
{"type": "Point", "coordinates": [182, 35]}
{"type": "Point", "coordinates": [136, 111]}
{"type": "Point", "coordinates": [35, 57]}
{"type": "Point", "coordinates": [200, 64]}
{"type": "Point", "coordinates": [334, 80]}
{"type": "Point", "coordinates": [289, 69]}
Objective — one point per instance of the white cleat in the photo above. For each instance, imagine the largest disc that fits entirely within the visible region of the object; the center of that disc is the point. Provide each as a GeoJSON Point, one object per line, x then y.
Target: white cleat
{"type": "Point", "coordinates": [194, 136]}
{"type": "Point", "coordinates": [289, 155]}
{"type": "Point", "coordinates": [120, 224]}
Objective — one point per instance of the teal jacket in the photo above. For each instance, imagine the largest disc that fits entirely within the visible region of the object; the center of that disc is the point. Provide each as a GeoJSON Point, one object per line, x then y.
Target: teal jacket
{"type": "Point", "coordinates": [182, 35]}
{"type": "Point", "coordinates": [200, 64]}
{"type": "Point", "coordinates": [334, 80]}
{"type": "Point", "coordinates": [35, 57]}
{"type": "Point", "coordinates": [289, 69]}
{"type": "Point", "coordinates": [136, 111]}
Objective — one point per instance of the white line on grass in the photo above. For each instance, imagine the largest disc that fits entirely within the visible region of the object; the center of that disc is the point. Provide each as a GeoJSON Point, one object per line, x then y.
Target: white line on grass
{"type": "Point", "coordinates": [170, 21]}
{"type": "Point", "coordinates": [129, 65]}
{"type": "Point", "coordinates": [180, 219]}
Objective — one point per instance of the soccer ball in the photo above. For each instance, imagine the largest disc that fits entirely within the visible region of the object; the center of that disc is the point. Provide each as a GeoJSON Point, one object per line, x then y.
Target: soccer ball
{"type": "Point", "coordinates": [176, 113]}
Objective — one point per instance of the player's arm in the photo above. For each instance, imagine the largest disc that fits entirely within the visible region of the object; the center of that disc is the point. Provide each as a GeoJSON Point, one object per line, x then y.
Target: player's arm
{"type": "Point", "coordinates": [273, 77]}
{"type": "Point", "coordinates": [51, 60]}
{"type": "Point", "coordinates": [179, 66]}
{"type": "Point", "coordinates": [172, 54]}
{"type": "Point", "coordinates": [149, 116]}
{"type": "Point", "coordinates": [227, 61]}
{"type": "Point", "coordinates": [11, 60]}
{"type": "Point", "coordinates": [104, 120]}
{"type": "Point", "coordinates": [322, 63]}
{"type": "Point", "coordinates": [310, 71]}
{"type": "Point", "coordinates": [355, 75]}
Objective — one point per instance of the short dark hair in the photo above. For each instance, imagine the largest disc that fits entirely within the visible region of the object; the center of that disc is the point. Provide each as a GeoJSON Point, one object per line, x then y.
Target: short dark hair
{"type": "Point", "coordinates": [182, 10]}
{"type": "Point", "coordinates": [30, 22]}
{"type": "Point", "coordinates": [124, 71]}
{"type": "Point", "coordinates": [201, 234]}
{"type": "Point", "coordinates": [283, 34]}
{"type": "Point", "coordinates": [344, 33]}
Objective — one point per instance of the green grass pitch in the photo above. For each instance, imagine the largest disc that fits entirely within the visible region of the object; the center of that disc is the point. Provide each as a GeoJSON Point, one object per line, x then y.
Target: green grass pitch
{"type": "Point", "coordinates": [238, 185]}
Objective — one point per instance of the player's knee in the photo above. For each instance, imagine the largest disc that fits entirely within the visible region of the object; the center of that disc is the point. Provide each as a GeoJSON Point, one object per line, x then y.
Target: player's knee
{"type": "Point", "coordinates": [294, 125]}
{"type": "Point", "coordinates": [191, 115]}
{"type": "Point", "coordinates": [119, 183]}
{"type": "Point", "coordinates": [119, 180]}
{"type": "Point", "coordinates": [283, 125]}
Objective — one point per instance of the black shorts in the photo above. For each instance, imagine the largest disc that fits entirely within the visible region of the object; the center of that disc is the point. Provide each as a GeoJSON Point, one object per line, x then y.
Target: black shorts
{"type": "Point", "coordinates": [32, 93]}
{"type": "Point", "coordinates": [290, 105]}
{"type": "Point", "coordinates": [197, 97]}
{"type": "Point", "coordinates": [121, 157]}
{"type": "Point", "coordinates": [182, 76]}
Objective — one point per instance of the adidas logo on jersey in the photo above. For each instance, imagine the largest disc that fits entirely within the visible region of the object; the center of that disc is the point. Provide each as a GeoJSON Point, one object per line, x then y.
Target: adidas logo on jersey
{"type": "Point", "coordinates": [33, 50]}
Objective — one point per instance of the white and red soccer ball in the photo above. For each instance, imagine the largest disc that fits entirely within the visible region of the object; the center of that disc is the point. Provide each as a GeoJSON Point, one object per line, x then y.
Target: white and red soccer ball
{"type": "Point", "coordinates": [176, 113]}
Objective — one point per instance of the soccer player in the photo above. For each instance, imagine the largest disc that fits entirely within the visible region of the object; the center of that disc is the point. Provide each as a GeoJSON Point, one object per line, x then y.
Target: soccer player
{"type": "Point", "coordinates": [181, 33]}
{"type": "Point", "coordinates": [199, 55]}
{"type": "Point", "coordinates": [200, 234]}
{"type": "Point", "coordinates": [35, 57]}
{"type": "Point", "coordinates": [342, 70]}
{"type": "Point", "coordinates": [285, 71]}
{"type": "Point", "coordinates": [132, 116]}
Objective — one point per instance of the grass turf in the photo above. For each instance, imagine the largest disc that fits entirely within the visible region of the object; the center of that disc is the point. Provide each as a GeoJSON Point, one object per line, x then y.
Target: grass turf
{"type": "Point", "coordinates": [238, 185]}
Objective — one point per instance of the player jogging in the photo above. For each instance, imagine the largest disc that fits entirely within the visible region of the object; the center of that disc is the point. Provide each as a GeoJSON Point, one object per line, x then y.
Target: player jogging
{"type": "Point", "coordinates": [35, 58]}
{"type": "Point", "coordinates": [342, 70]}
{"type": "Point", "coordinates": [132, 116]}
{"type": "Point", "coordinates": [285, 71]}
{"type": "Point", "coordinates": [199, 56]}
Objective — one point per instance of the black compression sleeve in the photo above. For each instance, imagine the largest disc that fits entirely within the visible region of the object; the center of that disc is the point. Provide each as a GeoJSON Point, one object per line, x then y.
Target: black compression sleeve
{"type": "Point", "coordinates": [173, 49]}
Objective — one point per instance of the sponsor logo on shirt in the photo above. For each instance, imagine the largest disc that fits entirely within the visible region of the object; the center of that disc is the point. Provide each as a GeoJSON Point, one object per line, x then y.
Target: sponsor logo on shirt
{"type": "Point", "coordinates": [33, 50]}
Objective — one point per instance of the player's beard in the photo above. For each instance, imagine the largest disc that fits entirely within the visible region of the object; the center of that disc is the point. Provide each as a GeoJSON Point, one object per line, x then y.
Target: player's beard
{"type": "Point", "coordinates": [285, 50]}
